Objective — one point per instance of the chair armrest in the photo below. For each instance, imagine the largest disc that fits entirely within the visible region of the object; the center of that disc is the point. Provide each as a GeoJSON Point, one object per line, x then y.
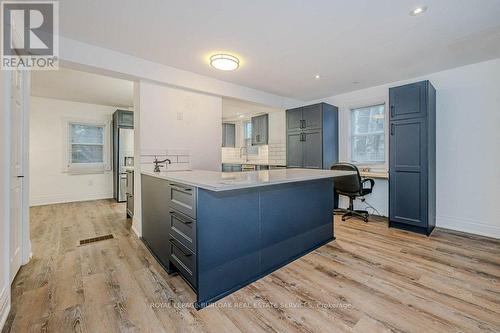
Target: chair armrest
{"type": "Point", "coordinates": [372, 182]}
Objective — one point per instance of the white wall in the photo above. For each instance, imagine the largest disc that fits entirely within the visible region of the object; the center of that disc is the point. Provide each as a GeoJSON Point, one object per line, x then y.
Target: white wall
{"type": "Point", "coordinates": [177, 120]}
{"type": "Point", "coordinates": [49, 183]}
{"type": "Point", "coordinates": [4, 197]}
{"type": "Point", "coordinates": [468, 145]}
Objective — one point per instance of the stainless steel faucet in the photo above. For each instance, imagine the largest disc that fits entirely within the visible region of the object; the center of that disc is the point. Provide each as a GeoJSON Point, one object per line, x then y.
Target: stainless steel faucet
{"type": "Point", "coordinates": [157, 163]}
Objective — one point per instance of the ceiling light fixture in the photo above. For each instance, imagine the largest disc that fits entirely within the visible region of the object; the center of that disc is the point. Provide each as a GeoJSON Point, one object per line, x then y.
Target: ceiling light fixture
{"type": "Point", "coordinates": [224, 62]}
{"type": "Point", "coordinates": [418, 10]}
{"type": "Point", "coordinates": [317, 76]}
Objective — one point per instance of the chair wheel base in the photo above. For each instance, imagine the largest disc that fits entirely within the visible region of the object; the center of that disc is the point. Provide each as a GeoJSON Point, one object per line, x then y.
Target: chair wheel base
{"type": "Point", "coordinates": [362, 214]}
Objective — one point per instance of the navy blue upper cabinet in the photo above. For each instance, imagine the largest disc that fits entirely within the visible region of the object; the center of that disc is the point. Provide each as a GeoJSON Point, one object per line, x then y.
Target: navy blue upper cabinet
{"type": "Point", "coordinates": [412, 151]}
{"type": "Point", "coordinates": [408, 101]}
{"type": "Point", "coordinates": [311, 116]}
{"type": "Point", "coordinates": [228, 135]}
{"type": "Point", "coordinates": [294, 120]}
{"type": "Point", "coordinates": [312, 136]}
{"type": "Point", "coordinates": [260, 129]}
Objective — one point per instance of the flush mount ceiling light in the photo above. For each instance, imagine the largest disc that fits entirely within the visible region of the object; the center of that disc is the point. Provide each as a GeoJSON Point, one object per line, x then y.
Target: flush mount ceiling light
{"type": "Point", "coordinates": [418, 10]}
{"type": "Point", "coordinates": [317, 76]}
{"type": "Point", "coordinates": [224, 62]}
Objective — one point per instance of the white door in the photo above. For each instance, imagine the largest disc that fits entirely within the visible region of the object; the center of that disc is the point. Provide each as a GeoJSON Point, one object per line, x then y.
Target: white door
{"type": "Point", "coordinates": [17, 173]}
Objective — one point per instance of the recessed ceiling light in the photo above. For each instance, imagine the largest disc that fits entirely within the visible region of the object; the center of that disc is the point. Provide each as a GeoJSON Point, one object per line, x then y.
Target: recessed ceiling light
{"type": "Point", "coordinates": [224, 62]}
{"type": "Point", "coordinates": [418, 10]}
{"type": "Point", "coordinates": [317, 76]}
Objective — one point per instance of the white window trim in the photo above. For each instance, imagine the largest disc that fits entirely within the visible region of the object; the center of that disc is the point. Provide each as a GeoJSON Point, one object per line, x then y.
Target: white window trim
{"type": "Point", "coordinates": [374, 167]}
{"type": "Point", "coordinates": [86, 168]}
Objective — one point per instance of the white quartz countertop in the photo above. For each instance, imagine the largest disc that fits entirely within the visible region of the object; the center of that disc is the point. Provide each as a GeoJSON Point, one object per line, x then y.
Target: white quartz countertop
{"type": "Point", "coordinates": [225, 181]}
{"type": "Point", "coordinates": [252, 163]}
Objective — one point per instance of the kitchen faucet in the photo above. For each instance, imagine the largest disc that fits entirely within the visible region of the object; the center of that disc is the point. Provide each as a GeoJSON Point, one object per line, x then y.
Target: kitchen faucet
{"type": "Point", "coordinates": [157, 164]}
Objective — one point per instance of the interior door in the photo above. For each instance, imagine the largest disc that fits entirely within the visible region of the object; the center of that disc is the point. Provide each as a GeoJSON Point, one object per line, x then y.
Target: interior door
{"type": "Point", "coordinates": [312, 143]}
{"type": "Point", "coordinates": [408, 173]}
{"type": "Point", "coordinates": [16, 172]}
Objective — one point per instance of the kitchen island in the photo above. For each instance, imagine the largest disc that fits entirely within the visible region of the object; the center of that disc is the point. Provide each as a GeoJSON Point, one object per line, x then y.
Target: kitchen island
{"type": "Point", "coordinates": [222, 231]}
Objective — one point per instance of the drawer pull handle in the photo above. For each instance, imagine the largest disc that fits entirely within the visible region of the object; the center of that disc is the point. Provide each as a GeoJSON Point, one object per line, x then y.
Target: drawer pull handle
{"type": "Point", "coordinates": [178, 217]}
{"type": "Point", "coordinates": [180, 188]}
{"type": "Point", "coordinates": [173, 242]}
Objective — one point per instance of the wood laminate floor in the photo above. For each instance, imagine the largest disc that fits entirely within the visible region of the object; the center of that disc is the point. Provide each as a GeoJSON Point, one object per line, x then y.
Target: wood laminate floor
{"type": "Point", "coordinates": [371, 279]}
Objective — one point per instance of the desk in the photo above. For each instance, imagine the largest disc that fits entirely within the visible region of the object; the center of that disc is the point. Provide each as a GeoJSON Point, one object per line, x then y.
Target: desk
{"type": "Point", "coordinates": [371, 174]}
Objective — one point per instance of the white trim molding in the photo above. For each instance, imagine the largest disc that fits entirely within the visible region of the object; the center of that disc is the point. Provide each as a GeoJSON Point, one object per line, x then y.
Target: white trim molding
{"type": "Point", "coordinates": [4, 305]}
{"type": "Point", "coordinates": [135, 224]}
{"type": "Point", "coordinates": [482, 228]}
{"type": "Point", "coordinates": [63, 198]}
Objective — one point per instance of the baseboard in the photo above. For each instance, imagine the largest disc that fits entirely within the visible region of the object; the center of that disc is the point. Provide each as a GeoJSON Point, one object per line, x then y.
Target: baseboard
{"type": "Point", "coordinates": [63, 198]}
{"type": "Point", "coordinates": [134, 229]}
{"type": "Point", "coordinates": [471, 226]}
{"type": "Point", "coordinates": [4, 305]}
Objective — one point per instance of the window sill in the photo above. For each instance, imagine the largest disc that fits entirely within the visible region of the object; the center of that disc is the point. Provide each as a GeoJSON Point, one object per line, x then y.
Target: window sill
{"type": "Point", "coordinates": [86, 170]}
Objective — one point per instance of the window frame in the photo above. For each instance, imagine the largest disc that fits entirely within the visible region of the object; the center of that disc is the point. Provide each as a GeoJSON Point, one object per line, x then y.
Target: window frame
{"type": "Point", "coordinates": [86, 168]}
{"type": "Point", "coordinates": [373, 166]}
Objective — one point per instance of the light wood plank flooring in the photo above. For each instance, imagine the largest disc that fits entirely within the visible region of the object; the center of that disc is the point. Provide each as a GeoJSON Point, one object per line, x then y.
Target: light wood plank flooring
{"type": "Point", "coordinates": [371, 279]}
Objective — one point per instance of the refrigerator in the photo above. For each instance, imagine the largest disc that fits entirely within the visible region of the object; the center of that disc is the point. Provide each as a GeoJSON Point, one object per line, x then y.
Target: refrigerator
{"type": "Point", "coordinates": [123, 152]}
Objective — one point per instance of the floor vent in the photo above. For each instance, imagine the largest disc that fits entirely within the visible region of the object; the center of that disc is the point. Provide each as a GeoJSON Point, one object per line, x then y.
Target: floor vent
{"type": "Point", "coordinates": [95, 239]}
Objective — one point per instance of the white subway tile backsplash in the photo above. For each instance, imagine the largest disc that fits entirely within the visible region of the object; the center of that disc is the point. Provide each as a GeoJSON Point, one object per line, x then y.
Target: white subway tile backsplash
{"type": "Point", "coordinates": [179, 159]}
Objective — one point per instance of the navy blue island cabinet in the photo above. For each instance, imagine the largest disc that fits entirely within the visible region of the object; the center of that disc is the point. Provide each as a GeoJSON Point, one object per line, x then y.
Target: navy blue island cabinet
{"type": "Point", "coordinates": [412, 157]}
{"type": "Point", "coordinates": [219, 240]}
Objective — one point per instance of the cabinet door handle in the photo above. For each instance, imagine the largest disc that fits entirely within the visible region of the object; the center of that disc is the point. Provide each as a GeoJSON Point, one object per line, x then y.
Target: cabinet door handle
{"type": "Point", "coordinates": [180, 218]}
{"type": "Point", "coordinates": [392, 129]}
{"type": "Point", "coordinates": [258, 138]}
{"type": "Point", "coordinates": [173, 241]}
{"type": "Point", "coordinates": [392, 110]}
{"type": "Point", "coordinates": [304, 126]}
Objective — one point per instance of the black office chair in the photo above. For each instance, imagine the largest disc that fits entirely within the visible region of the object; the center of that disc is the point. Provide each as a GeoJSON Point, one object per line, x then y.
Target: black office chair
{"type": "Point", "coordinates": [352, 187]}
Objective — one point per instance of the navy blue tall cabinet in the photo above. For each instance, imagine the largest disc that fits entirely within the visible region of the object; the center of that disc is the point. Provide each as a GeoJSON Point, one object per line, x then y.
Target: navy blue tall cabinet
{"type": "Point", "coordinates": [312, 136]}
{"type": "Point", "coordinates": [412, 157]}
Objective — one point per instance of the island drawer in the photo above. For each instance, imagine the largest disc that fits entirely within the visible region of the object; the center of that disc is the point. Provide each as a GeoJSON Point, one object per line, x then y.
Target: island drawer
{"type": "Point", "coordinates": [183, 198]}
{"type": "Point", "coordinates": [183, 229]}
{"type": "Point", "coordinates": [184, 260]}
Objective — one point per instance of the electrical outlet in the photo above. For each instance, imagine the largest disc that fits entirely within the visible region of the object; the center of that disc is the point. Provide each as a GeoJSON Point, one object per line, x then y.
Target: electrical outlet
{"type": "Point", "coordinates": [180, 115]}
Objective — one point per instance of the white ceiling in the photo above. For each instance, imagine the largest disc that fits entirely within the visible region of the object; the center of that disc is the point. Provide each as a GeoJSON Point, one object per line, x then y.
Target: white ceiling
{"type": "Point", "coordinates": [77, 86]}
{"type": "Point", "coordinates": [284, 43]}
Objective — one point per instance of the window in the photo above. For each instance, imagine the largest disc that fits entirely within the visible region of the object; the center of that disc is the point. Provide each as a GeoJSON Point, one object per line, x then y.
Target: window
{"type": "Point", "coordinates": [247, 132]}
{"type": "Point", "coordinates": [367, 135]}
{"type": "Point", "coordinates": [87, 146]}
